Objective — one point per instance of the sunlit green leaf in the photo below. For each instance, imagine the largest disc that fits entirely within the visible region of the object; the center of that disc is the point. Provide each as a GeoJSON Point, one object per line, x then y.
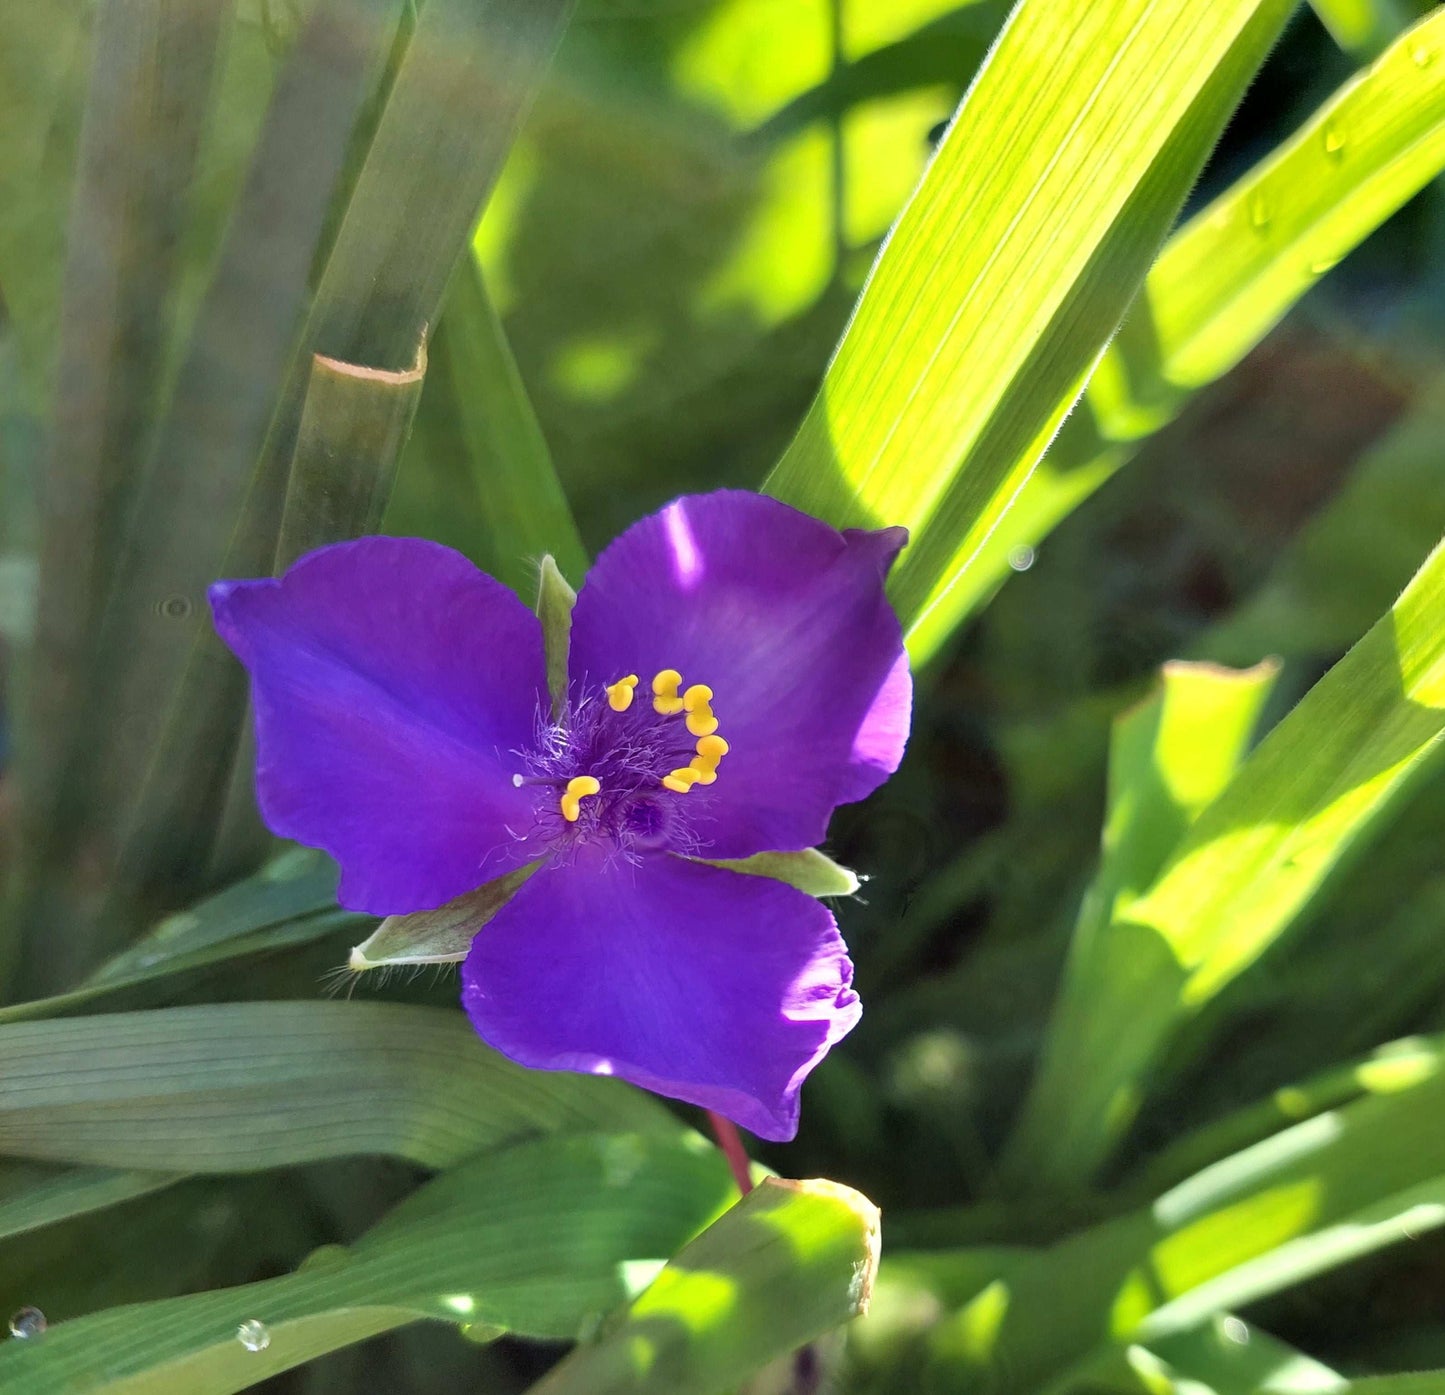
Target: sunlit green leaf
{"type": "Point", "coordinates": [1004, 276]}
{"type": "Point", "coordinates": [1244, 873]}
{"type": "Point", "coordinates": [1221, 283]}
{"type": "Point", "coordinates": [790, 1261]}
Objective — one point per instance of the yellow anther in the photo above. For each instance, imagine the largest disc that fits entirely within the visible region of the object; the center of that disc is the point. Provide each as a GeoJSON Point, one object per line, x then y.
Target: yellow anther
{"type": "Point", "coordinates": [578, 788]}
{"type": "Point", "coordinates": [680, 781]}
{"type": "Point", "coordinates": [695, 702]}
{"type": "Point", "coordinates": [621, 693]}
{"type": "Point", "coordinates": [664, 687]}
{"type": "Point", "coordinates": [712, 748]}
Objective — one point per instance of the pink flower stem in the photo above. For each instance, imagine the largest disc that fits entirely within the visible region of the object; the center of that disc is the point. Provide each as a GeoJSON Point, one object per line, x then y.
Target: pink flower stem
{"type": "Point", "coordinates": [731, 1145]}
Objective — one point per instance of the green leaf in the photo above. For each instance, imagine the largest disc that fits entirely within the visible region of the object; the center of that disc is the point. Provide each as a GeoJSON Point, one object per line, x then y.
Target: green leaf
{"type": "Point", "coordinates": [1344, 1184]}
{"type": "Point", "coordinates": [1392, 1066]}
{"type": "Point", "coordinates": [809, 870]}
{"type": "Point", "coordinates": [173, 697]}
{"type": "Point", "coordinates": [442, 936]}
{"type": "Point", "coordinates": [219, 410]}
{"type": "Point", "coordinates": [292, 900]}
{"type": "Point", "coordinates": [1226, 1356]}
{"type": "Point", "coordinates": [74, 1193]}
{"type": "Point", "coordinates": [239, 1086]}
{"type": "Point", "coordinates": [1221, 283]}
{"type": "Point", "coordinates": [146, 104]}
{"type": "Point", "coordinates": [1405, 1383]}
{"type": "Point", "coordinates": [1006, 273]}
{"type": "Point", "coordinates": [1245, 872]}
{"type": "Point", "coordinates": [789, 1262]}
{"type": "Point", "coordinates": [499, 468]}
{"type": "Point", "coordinates": [1361, 27]}
{"type": "Point", "coordinates": [555, 599]}
{"type": "Point", "coordinates": [353, 427]}
{"type": "Point", "coordinates": [539, 1239]}
{"type": "Point", "coordinates": [1170, 757]}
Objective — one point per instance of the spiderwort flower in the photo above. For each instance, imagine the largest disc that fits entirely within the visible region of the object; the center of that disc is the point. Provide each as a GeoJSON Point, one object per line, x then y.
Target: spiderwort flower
{"type": "Point", "coordinates": [735, 673]}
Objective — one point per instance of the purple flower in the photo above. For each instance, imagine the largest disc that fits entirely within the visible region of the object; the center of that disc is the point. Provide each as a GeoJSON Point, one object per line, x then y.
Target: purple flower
{"type": "Point", "coordinates": [735, 674]}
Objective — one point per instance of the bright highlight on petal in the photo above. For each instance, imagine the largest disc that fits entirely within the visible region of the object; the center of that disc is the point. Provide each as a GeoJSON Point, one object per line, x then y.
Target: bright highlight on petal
{"type": "Point", "coordinates": [578, 788]}
{"type": "Point", "coordinates": [621, 693]}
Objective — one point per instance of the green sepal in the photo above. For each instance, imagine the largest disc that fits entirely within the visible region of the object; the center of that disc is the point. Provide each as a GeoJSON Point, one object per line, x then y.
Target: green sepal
{"type": "Point", "coordinates": [442, 936]}
{"type": "Point", "coordinates": [555, 599]}
{"type": "Point", "coordinates": [810, 870]}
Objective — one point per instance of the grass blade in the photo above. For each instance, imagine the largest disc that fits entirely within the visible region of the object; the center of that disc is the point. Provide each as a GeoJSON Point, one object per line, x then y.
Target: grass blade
{"type": "Point", "coordinates": [240, 1086]}
{"type": "Point", "coordinates": [502, 466]}
{"type": "Point", "coordinates": [1242, 876]}
{"type": "Point", "coordinates": [219, 412]}
{"type": "Point", "coordinates": [74, 1193]}
{"type": "Point", "coordinates": [1004, 276]}
{"type": "Point", "coordinates": [537, 1239]}
{"type": "Point", "coordinates": [145, 109]}
{"type": "Point", "coordinates": [1220, 284]}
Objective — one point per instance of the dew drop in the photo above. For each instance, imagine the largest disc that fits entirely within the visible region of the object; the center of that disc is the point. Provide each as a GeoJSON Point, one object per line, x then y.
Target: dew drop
{"type": "Point", "coordinates": [174, 607]}
{"type": "Point", "coordinates": [1334, 141]}
{"type": "Point", "coordinates": [1259, 211]}
{"type": "Point", "coordinates": [1021, 558]}
{"type": "Point", "coordinates": [1235, 1331]}
{"type": "Point", "coordinates": [253, 1335]}
{"type": "Point", "coordinates": [1320, 265]}
{"type": "Point", "coordinates": [27, 1323]}
{"type": "Point", "coordinates": [1421, 55]}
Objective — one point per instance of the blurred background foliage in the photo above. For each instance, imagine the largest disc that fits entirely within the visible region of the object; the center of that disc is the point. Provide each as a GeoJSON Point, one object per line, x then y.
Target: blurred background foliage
{"type": "Point", "coordinates": [668, 258]}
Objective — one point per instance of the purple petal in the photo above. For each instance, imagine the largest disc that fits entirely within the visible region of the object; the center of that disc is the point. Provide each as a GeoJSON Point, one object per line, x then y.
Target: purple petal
{"type": "Point", "coordinates": [391, 681]}
{"type": "Point", "coordinates": [786, 620]}
{"type": "Point", "coordinates": [710, 986]}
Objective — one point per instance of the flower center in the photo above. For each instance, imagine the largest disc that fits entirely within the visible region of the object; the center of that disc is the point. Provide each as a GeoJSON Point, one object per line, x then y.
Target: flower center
{"type": "Point", "coordinates": [616, 766]}
{"type": "Point", "coordinates": [694, 706]}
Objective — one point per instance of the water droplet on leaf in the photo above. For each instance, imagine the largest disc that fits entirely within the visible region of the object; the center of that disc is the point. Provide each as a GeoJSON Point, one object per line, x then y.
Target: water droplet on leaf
{"type": "Point", "coordinates": [175, 608]}
{"type": "Point", "coordinates": [1235, 1331]}
{"type": "Point", "coordinates": [1334, 142]}
{"type": "Point", "coordinates": [253, 1335]}
{"type": "Point", "coordinates": [26, 1323]}
{"type": "Point", "coordinates": [1021, 558]}
{"type": "Point", "coordinates": [1421, 55]}
{"type": "Point", "coordinates": [1320, 265]}
{"type": "Point", "coordinates": [1259, 212]}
